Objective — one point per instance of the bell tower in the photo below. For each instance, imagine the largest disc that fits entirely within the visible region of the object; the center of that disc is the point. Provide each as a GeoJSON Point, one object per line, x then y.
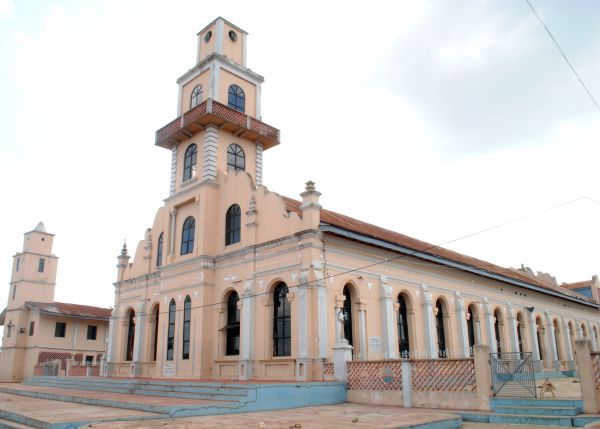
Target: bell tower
{"type": "Point", "coordinates": [219, 126]}
{"type": "Point", "coordinates": [34, 269]}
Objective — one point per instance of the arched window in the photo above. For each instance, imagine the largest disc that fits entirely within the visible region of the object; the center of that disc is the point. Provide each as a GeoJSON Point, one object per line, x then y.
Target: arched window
{"type": "Point", "coordinates": [471, 328]}
{"type": "Point", "coordinates": [558, 340]}
{"type": "Point", "coordinates": [187, 316]}
{"type": "Point", "coordinates": [348, 315]}
{"type": "Point", "coordinates": [520, 332]}
{"type": "Point", "coordinates": [130, 335]}
{"type": "Point", "coordinates": [233, 220]}
{"type": "Point", "coordinates": [187, 236]}
{"type": "Point", "coordinates": [541, 337]}
{"type": "Point", "coordinates": [171, 332]}
{"type": "Point", "coordinates": [403, 341]}
{"type": "Point", "coordinates": [196, 96]}
{"type": "Point", "coordinates": [497, 332]}
{"type": "Point", "coordinates": [282, 322]}
{"type": "Point", "coordinates": [441, 334]}
{"type": "Point", "coordinates": [236, 158]}
{"type": "Point", "coordinates": [155, 342]}
{"type": "Point", "coordinates": [233, 325]}
{"type": "Point", "coordinates": [189, 162]}
{"type": "Point", "coordinates": [159, 250]}
{"type": "Point", "coordinates": [236, 99]}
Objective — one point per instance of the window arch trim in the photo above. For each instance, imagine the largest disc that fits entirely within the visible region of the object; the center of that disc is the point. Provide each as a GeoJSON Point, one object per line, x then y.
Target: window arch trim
{"type": "Point", "coordinates": [233, 224]}
{"type": "Point", "coordinates": [236, 98]}
{"type": "Point", "coordinates": [187, 235]}
{"type": "Point", "coordinates": [189, 162]}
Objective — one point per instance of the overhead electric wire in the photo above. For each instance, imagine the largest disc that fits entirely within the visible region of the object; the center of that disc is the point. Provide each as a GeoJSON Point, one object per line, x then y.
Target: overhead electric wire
{"type": "Point", "coordinates": [564, 56]}
{"type": "Point", "coordinates": [399, 257]}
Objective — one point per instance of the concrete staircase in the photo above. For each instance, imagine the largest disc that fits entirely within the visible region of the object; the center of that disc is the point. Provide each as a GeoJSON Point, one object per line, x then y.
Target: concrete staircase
{"type": "Point", "coordinates": [162, 399]}
{"type": "Point", "coordinates": [544, 412]}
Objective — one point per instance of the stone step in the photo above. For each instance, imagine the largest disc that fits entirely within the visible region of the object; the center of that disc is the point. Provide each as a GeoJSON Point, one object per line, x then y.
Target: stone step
{"type": "Point", "coordinates": [8, 424]}
{"type": "Point", "coordinates": [543, 411]}
{"type": "Point", "coordinates": [520, 419]}
{"type": "Point", "coordinates": [523, 402]}
{"type": "Point", "coordinates": [169, 389]}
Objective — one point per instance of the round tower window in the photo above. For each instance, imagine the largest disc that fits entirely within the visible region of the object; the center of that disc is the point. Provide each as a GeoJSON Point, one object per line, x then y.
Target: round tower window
{"type": "Point", "coordinates": [232, 35]}
{"type": "Point", "coordinates": [207, 36]}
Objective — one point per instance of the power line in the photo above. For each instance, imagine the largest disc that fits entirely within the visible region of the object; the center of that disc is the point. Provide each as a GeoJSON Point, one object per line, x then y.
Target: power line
{"type": "Point", "coordinates": [564, 56]}
{"type": "Point", "coordinates": [413, 253]}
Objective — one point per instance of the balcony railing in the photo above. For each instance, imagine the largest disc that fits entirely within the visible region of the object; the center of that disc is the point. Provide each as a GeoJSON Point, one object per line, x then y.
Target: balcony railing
{"type": "Point", "coordinates": [213, 112]}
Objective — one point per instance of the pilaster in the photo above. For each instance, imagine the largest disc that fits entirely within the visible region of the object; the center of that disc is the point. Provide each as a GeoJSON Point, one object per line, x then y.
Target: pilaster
{"type": "Point", "coordinates": [512, 326]}
{"type": "Point", "coordinates": [568, 341]}
{"type": "Point", "coordinates": [428, 323]}
{"type": "Point", "coordinates": [173, 170]}
{"type": "Point", "coordinates": [388, 317]}
{"type": "Point", "coordinates": [461, 325]}
{"type": "Point", "coordinates": [489, 326]}
{"type": "Point", "coordinates": [247, 332]}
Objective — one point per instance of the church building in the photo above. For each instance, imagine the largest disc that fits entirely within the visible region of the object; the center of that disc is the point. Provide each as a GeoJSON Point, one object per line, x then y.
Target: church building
{"type": "Point", "coordinates": [234, 281]}
{"type": "Point", "coordinates": [38, 330]}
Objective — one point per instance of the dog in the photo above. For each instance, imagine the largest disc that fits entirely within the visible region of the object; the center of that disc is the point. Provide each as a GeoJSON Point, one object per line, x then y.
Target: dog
{"type": "Point", "coordinates": [547, 387]}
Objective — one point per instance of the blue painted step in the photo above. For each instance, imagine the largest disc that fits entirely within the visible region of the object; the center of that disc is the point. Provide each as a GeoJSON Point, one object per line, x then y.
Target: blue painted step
{"type": "Point", "coordinates": [535, 411]}
{"type": "Point", "coordinates": [537, 402]}
{"type": "Point", "coordinates": [520, 419]}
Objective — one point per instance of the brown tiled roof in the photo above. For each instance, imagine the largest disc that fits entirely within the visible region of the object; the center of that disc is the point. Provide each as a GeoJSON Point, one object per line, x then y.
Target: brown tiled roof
{"type": "Point", "coordinates": [70, 310]}
{"type": "Point", "coordinates": [369, 230]}
{"type": "Point", "coordinates": [578, 285]}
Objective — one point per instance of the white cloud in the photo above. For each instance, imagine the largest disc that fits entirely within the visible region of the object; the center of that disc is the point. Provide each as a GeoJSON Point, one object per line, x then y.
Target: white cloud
{"type": "Point", "coordinates": [7, 9]}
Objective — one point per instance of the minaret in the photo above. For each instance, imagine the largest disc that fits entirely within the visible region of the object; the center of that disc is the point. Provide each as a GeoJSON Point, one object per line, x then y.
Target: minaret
{"type": "Point", "coordinates": [34, 270]}
{"type": "Point", "coordinates": [219, 125]}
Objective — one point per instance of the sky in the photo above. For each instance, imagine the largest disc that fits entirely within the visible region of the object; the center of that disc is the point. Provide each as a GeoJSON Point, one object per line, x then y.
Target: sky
{"type": "Point", "coordinates": [436, 119]}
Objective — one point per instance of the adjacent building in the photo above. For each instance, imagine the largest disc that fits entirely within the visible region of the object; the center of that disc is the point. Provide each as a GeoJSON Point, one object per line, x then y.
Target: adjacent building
{"type": "Point", "coordinates": [234, 281]}
{"type": "Point", "coordinates": [38, 330]}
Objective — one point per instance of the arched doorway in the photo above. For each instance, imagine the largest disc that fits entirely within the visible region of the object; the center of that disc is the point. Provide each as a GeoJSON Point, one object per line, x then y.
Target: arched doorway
{"type": "Point", "coordinates": [282, 322]}
{"type": "Point", "coordinates": [232, 340]}
{"type": "Point", "coordinates": [154, 331]}
{"type": "Point", "coordinates": [347, 309]}
{"type": "Point", "coordinates": [130, 335]}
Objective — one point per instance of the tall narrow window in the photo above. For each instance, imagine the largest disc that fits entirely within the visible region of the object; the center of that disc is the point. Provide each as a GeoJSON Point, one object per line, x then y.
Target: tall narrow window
{"type": "Point", "coordinates": [348, 315]}
{"type": "Point", "coordinates": [520, 333]}
{"type": "Point", "coordinates": [441, 334]}
{"type": "Point", "coordinates": [470, 329]}
{"type": "Point", "coordinates": [171, 333]}
{"type": "Point", "coordinates": [236, 158]}
{"type": "Point", "coordinates": [155, 345]}
{"type": "Point", "coordinates": [41, 265]}
{"type": "Point", "coordinates": [187, 236]}
{"type": "Point", "coordinates": [189, 162]}
{"type": "Point", "coordinates": [497, 333]}
{"type": "Point", "coordinates": [233, 325]}
{"type": "Point", "coordinates": [18, 264]}
{"type": "Point", "coordinates": [14, 294]}
{"type": "Point", "coordinates": [130, 335]}
{"type": "Point", "coordinates": [159, 250]}
{"type": "Point", "coordinates": [233, 220]}
{"type": "Point", "coordinates": [31, 328]}
{"type": "Point", "coordinates": [403, 342]}
{"type": "Point", "coordinates": [187, 317]}
{"type": "Point", "coordinates": [282, 323]}
{"type": "Point", "coordinates": [196, 97]}
{"type": "Point", "coordinates": [236, 99]}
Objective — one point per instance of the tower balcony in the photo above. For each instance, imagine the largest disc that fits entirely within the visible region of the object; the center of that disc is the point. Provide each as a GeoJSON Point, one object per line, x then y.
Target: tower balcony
{"type": "Point", "coordinates": [211, 112]}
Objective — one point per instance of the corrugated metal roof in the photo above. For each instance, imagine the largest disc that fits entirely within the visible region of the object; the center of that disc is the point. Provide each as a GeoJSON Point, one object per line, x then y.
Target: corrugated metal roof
{"type": "Point", "coordinates": [373, 231]}
{"type": "Point", "coordinates": [70, 310]}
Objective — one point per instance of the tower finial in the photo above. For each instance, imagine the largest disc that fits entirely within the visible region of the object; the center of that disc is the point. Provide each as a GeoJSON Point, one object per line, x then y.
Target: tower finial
{"type": "Point", "coordinates": [310, 186]}
{"type": "Point", "coordinates": [124, 249]}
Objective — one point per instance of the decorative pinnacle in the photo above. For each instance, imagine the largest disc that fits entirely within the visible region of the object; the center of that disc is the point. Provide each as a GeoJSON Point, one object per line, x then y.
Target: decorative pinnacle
{"type": "Point", "coordinates": [310, 186]}
{"type": "Point", "coordinates": [124, 249]}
